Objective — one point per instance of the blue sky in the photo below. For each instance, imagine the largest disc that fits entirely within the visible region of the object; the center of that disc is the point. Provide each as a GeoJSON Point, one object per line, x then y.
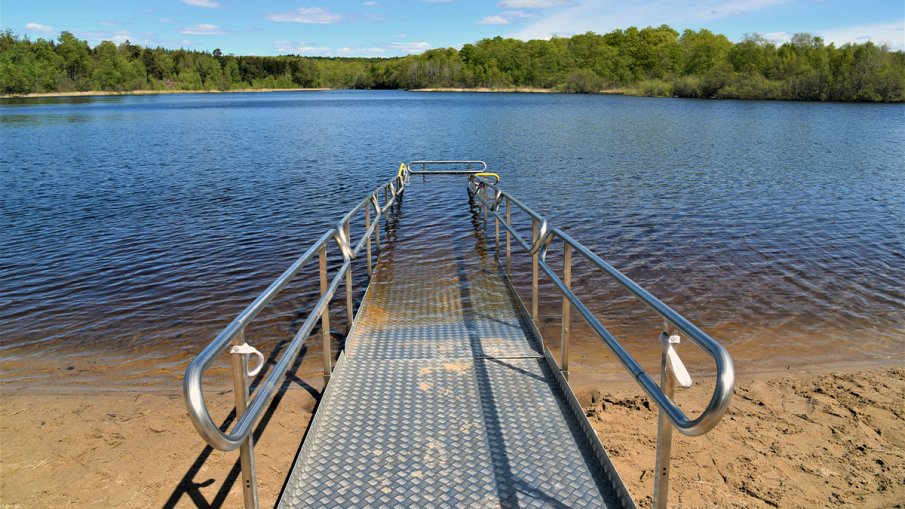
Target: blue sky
{"type": "Point", "coordinates": [391, 28]}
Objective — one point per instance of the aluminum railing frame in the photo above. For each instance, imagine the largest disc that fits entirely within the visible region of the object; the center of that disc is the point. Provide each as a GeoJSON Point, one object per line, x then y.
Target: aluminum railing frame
{"type": "Point", "coordinates": [670, 414]}
{"type": "Point", "coordinates": [248, 412]}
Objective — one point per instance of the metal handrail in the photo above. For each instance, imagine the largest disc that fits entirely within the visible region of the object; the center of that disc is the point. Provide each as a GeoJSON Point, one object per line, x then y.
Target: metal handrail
{"type": "Point", "coordinates": [468, 171]}
{"type": "Point", "coordinates": [723, 389]}
{"type": "Point", "coordinates": [248, 412]}
{"type": "Point", "coordinates": [671, 367]}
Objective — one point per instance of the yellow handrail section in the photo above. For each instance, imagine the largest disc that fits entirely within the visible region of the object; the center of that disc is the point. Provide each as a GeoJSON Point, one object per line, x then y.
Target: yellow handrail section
{"type": "Point", "coordinates": [488, 174]}
{"type": "Point", "coordinates": [402, 169]}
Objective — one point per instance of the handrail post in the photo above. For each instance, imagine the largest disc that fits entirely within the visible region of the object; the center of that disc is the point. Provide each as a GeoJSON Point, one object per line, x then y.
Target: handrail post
{"type": "Point", "coordinates": [325, 316]}
{"type": "Point", "coordinates": [349, 311]}
{"type": "Point", "coordinates": [246, 450]}
{"type": "Point", "coordinates": [664, 434]}
{"type": "Point", "coordinates": [534, 268]}
{"type": "Point", "coordinates": [484, 205]}
{"type": "Point", "coordinates": [566, 310]}
{"type": "Point", "coordinates": [377, 216]}
{"type": "Point", "coordinates": [367, 232]}
{"type": "Point", "coordinates": [508, 235]}
{"type": "Point", "coordinates": [496, 243]}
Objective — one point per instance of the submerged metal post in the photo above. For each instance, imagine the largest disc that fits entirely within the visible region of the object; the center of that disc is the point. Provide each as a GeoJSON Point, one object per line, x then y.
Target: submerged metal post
{"type": "Point", "coordinates": [325, 316]}
{"type": "Point", "coordinates": [496, 244]}
{"type": "Point", "coordinates": [534, 268]}
{"type": "Point", "coordinates": [508, 238]}
{"type": "Point", "coordinates": [664, 433]}
{"type": "Point", "coordinates": [566, 310]}
{"type": "Point", "coordinates": [349, 312]}
{"type": "Point", "coordinates": [246, 450]}
{"type": "Point", "coordinates": [368, 242]}
{"type": "Point", "coordinates": [484, 205]}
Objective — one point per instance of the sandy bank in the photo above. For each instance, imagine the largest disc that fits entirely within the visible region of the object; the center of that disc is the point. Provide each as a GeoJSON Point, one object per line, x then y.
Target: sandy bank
{"type": "Point", "coordinates": [160, 92]}
{"type": "Point", "coordinates": [797, 440]}
{"type": "Point", "coordinates": [526, 90]}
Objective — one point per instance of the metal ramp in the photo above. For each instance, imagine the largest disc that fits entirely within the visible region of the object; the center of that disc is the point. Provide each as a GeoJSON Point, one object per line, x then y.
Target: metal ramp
{"type": "Point", "coordinates": [444, 395]}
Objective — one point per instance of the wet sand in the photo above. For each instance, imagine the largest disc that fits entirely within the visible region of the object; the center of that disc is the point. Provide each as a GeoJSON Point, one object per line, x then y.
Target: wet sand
{"type": "Point", "coordinates": [793, 440]}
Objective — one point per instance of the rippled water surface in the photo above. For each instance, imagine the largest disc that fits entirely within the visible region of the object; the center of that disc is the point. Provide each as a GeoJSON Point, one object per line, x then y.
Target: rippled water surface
{"type": "Point", "coordinates": [133, 229]}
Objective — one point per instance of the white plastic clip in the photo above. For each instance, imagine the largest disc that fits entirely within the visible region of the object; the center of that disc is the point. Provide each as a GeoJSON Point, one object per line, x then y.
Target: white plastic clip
{"type": "Point", "coordinates": [673, 360]}
{"type": "Point", "coordinates": [246, 349]}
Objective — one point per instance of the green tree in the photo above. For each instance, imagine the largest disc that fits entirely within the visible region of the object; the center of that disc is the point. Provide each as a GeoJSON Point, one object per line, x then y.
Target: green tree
{"type": "Point", "coordinates": [76, 61]}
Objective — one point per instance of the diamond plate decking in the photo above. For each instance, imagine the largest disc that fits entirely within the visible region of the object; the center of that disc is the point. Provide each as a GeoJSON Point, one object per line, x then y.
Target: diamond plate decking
{"type": "Point", "coordinates": [443, 397]}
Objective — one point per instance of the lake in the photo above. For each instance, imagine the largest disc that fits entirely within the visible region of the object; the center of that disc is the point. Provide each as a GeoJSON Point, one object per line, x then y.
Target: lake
{"type": "Point", "coordinates": [134, 228]}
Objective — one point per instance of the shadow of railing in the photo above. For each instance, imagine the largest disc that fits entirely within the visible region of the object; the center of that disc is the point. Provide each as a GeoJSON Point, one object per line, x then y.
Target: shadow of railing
{"type": "Point", "coordinates": [189, 486]}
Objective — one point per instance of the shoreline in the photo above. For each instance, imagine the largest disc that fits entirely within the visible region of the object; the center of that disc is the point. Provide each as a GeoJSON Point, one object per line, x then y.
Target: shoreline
{"type": "Point", "coordinates": [106, 93]}
{"type": "Point", "coordinates": [138, 449]}
{"type": "Point", "coordinates": [516, 90]}
{"type": "Point", "coordinates": [110, 93]}
{"type": "Point", "coordinates": [583, 380]}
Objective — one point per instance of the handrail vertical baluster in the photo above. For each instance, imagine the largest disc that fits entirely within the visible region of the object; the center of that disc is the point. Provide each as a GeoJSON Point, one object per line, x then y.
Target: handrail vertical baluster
{"type": "Point", "coordinates": [368, 242]}
{"type": "Point", "coordinates": [508, 235]}
{"type": "Point", "coordinates": [534, 269]}
{"type": "Point", "coordinates": [664, 433]}
{"type": "Point", "coordinates": [377, 228]}
{"type": "Point", "coordinates": [496, 242]}
{"type": "Point", "coordinates": [325, 316]}
{"type": "Point", "coordinates": [485, 207]}
{"type": "Point", "coordinates": [246, 450]}
{"type": "Point", "coordinates": [566, 310]}
{"type": "Point", "coordinates": [350, 314]}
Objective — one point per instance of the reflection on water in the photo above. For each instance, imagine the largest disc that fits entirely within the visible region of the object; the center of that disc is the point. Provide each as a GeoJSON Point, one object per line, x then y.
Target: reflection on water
{"type": "Point", "coordinates": [32, 120]}
{"type": "Point", "coordinates": [135, 228]}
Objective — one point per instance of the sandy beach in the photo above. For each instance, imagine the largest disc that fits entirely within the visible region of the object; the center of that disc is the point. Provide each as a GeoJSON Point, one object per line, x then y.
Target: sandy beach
{"type": "Point", "coordinates": [793, 440]}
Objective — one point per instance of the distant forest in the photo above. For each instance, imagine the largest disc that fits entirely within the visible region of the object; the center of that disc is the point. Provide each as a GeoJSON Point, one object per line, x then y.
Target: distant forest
{"type": "Point", "coordinates": [650, 61]}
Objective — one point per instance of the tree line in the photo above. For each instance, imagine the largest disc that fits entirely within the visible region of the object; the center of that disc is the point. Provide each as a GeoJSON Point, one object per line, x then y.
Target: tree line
{"type": "Point", "coordinates": [649, 61]}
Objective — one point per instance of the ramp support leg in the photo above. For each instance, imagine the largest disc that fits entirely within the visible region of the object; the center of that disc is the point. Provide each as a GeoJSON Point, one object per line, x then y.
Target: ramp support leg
{"type": "Point", "coordinates": [664, 436]}
{"type": "Point", "coordinates": [246, 450]}
{"type": "Point", "coordinates": [566, 311]}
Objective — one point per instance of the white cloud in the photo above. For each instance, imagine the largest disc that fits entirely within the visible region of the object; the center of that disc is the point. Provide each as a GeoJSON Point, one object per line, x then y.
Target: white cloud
{"type": "Point", "coordinates": [309, 15]}
{"type": "Point", "coordinates": [370, 3]}
{"type": "Point", "coordinates": [892, 34]}
{"type": "Point", "coordinates": [358, 51]}
{"type": "Point", "coordinates": [777, 37]}
{"type": "Point", "coordinates": [504, 18]}
{"type": "Point", "coordinates": [300, 48]}
{"type": "Point", "coordinates": [606, 15]}
{"type": "Point", "coordinates": [210, 4]}
{"type": "Point", "coordinates": [305, 48]}
{"type": "Point", "coordinates": [409, 47]}
{"type": "Point", "coordinates": [117, 36]}
{"type": "Point", "coordinates": [735, 8]}
{"type": "Point", "coordinates": [533, 4]}
{"type": "Point", "coordinates": [203, 29]}
{"type": "Point", "coordinates": [37, 27]}
{"type": "Point", "coordinates": [494, 20]}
